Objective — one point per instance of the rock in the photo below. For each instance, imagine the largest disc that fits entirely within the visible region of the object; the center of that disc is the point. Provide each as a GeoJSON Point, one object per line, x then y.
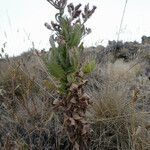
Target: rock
{"type": "Point", "coordinates": [145, 40]}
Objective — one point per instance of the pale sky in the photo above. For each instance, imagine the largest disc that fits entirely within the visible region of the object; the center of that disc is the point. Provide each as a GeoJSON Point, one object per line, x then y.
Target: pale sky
{"type": "Point", "coordinates": [22, 22]}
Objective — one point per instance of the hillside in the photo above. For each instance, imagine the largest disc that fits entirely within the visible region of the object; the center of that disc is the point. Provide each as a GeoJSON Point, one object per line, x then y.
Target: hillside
{"type": "Point", "coordinates": [119, 88]}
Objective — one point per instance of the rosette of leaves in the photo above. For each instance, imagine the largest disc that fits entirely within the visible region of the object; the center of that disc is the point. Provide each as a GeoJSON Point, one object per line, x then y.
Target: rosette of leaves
{"type": "Point", "coordinates": [64, 64]}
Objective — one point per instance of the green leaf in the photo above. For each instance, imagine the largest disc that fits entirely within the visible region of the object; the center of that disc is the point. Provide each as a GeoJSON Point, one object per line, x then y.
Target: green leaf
{"type": "Point", "coordinates": [71, 78]}
{"type": "Point", "coordinates": [76, 36]}
{"type": "Point", "coordinates": [56, 70]}
{"type": "Point", "coordinates": [64, 85]}
{"type": "Point", "coordinates": [65, 28]}
{"type": "Point", "coordinates": [74, 58]}
{"type": "Point", "coordinates": [89, 67]}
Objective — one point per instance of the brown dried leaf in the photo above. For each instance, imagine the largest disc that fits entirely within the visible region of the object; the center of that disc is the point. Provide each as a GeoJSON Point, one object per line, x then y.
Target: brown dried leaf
{"type": "Point", "coordinates": [73, 123]}
{"type": "Point", "coordinates": [74, 87]}
{"type": "Point", "coordinates": [76, 146]}
{"type": "Point", "coordinates": [83, 121]}
{"type": "Point", "coordinates": [69, 106]}
{"type": "Point", "coordinates": [81, 113]}
{"type": "Point", "coordinates": [85, 97]}
{"type": "Point", "coordinates": [73, 100]}
{"type": "Point", "coordinates": [56, 102]}
{"type": "Point", "coordinates": [66, 118]}
{"type": "Point", "coordinates": [83, 83]}
{"type": "Point", "coordinates": [77, 117]}
{"type": "Point", "coordinates": [86, 129]}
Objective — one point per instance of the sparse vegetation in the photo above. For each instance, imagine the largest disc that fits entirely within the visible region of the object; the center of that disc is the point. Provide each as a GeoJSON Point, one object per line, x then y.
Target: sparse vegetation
{"type": "Point", "coordinates": [47, 103]}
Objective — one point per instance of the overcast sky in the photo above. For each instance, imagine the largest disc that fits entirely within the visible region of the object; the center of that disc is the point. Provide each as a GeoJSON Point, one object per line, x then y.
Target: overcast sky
{"type": "Point", "coordinates": [22, 22]}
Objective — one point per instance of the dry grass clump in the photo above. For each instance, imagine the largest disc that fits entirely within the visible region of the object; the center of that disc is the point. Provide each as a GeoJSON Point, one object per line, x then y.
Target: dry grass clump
{"type": "Point", "coordinates": [27, 120]}
{"type": "Point", "coordinates": [117, 124]}
{"type": "Point", "coordinates": [129, 70]}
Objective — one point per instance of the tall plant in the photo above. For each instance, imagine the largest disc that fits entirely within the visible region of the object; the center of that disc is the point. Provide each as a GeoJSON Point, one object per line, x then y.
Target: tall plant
{"type": "Point", "coordinates": [65, 65]}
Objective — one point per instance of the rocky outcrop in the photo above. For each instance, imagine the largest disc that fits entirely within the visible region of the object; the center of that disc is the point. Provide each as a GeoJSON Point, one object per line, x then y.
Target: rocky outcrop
{"type": "Point", "coordinates": [145, 40]}
{"type": "Point", "coordinates": [128, 51]}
